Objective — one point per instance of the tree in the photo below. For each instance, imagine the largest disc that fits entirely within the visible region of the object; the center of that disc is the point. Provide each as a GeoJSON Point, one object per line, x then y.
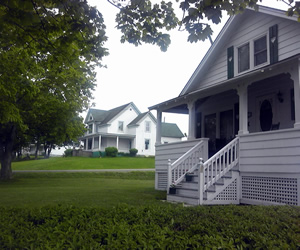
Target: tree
{"type": "Point", "coordinates": [48, 52]}
{"type": "Point", "coordinates": [140, 21]}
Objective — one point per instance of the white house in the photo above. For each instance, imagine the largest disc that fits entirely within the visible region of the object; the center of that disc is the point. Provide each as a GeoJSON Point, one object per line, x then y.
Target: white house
{"type": "Point", "coordinates": [125, 127]}
{"type": "Point", "coordinates": [243, 103]}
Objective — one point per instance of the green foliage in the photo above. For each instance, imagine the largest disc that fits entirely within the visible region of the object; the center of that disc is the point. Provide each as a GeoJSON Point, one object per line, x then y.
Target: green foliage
{"type": "Point", "coordinates": [111, 151]}
{"type": "Point", "coordinates": [68, 152]}
{"type": "Point", "coordinates": [48, 54]}
{"type": "Point", "coordinates": [133, 152]}
{"type": "Point", "coordinates": [148, 22]}
{"type": "Point", "coordinates": [154, 227]}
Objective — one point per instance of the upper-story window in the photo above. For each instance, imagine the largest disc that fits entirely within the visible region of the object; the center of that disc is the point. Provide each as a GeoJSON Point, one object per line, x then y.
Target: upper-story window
{"type": "Point", "coordinates": [252, 54]}
{"type": "Point", "coordinates": [91, 117]}
{"type": "Point", "coordinates": [148, 126]}
{"type": "Point", "coordinates": [260, 51]}
{"type": "Point", "coordinates": [121, 126]}
{"type": "Point", "coordinates": [90, 128]}
{"type": "Point", "coordinates": [243, 57]}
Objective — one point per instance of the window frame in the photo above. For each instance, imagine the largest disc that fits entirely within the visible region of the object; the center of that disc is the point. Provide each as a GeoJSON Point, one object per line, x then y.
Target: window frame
{"type": "Point", "coordinates": [147, 145]}
{"type": "Point", "coordinates": [148, 126]}
{"type": "Point", "coordinates": [90, 128]}
{"type": "Point", "coordinates": [121, 126]}
{"type": "Point", "coordinates": [252, 65]}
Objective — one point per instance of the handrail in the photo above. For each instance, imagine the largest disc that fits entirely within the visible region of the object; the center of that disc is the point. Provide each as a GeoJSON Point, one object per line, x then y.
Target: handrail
{"type": "Point", "coordinates": [186, 163]}
{"type": "Point", "coordinates": [220, 163]}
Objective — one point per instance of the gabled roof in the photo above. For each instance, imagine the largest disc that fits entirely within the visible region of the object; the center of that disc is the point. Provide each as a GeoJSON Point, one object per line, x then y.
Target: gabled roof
{"type": "Point", "coordinates": [104, 117]}
{"type": "Point", "coordinates": [232, 23]}
{"type": "Point", "coordinates": [140, 117]}
{"type": "Point", "coordinates": [171, 130]}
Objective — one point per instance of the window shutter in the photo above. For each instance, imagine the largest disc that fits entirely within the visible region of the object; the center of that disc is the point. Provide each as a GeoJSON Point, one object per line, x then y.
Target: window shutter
{"type": "Point", "coordinates": [230, 64]}
{"type": "Point", "coordinates": [273, 36]}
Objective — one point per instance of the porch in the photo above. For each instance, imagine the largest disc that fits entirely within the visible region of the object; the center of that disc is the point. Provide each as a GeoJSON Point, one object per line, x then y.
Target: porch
{"type": "Point", "coordinates": [252, 124]}
{"type": "Point", "coordinates": [100, 141]}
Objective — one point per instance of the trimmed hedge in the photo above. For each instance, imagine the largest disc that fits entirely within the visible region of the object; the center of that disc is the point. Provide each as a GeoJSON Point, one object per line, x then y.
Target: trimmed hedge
{"type": "Point", "coordinates": [111, 151]}
{"type": "Point", "coordinates": [159, 227]}
{"type": "Point", "coordinates": [133, 152]}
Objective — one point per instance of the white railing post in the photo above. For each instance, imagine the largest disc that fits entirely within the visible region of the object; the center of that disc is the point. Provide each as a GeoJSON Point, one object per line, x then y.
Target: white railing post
{"type": "Point", "coordinates": [169, 175]}
{"type": "Point", "coordinates": [201, 180]}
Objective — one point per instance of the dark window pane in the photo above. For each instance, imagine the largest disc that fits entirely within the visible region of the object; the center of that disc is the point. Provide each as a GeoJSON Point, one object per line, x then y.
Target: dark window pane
{"type": "Point", "coordinates": [260, 51]}
{"type": "Point", "coordinates": [243, 53]}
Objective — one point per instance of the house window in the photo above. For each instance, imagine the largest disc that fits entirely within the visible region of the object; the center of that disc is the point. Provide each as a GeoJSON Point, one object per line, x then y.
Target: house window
{"type": "Point", "coordinates": [121, 126]}
{"type": "Point", "coordinates": [91, 118]}
{"type": "Point", "coordinates": [148, 126]}
{"type": "Point", "coordinates": [243, 58]}
{"type": "Point", "coordinates": [90, 128]}
{"type": "Point", "coordinates": [147, 144]}
{"type": "Point", "coordinates": [260, 51]}
{"type": "Point", "coordinates": [252, 54]}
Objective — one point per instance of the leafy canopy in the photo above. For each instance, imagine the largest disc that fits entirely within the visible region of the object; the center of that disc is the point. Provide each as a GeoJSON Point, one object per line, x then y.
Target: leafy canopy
{"type": "Point", "coordinates": [141, 21]}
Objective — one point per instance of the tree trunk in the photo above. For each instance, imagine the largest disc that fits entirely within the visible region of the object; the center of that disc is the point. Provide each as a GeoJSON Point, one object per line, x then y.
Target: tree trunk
{"type": "Point", "coordinates": [49, 151]}
{"type": "Point", "coordinates": [6, 147]}
{"type": "Point", "coordinates": [37, 145]}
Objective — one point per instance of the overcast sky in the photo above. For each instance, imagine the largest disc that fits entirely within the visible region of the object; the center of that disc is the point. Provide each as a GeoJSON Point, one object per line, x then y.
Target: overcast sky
{"type": "Point", "coordinates": [144, 75]}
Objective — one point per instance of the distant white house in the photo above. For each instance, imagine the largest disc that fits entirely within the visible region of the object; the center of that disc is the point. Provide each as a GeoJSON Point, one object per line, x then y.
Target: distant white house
{"type": "Point", "coordinates": [125, 127]}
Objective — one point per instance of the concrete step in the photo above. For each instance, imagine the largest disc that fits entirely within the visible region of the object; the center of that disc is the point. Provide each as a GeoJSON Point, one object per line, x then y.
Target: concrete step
{"type": "Point", "coordinates": [183, 199]}
{"type": "Point", "coordinates": [187, 192]}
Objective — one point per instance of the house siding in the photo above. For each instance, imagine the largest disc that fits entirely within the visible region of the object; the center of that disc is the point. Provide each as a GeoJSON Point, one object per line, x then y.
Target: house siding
{"type": "Point", "coordinates": [271, 152]}
{"type": "Point", "coordinates": [254, 25]}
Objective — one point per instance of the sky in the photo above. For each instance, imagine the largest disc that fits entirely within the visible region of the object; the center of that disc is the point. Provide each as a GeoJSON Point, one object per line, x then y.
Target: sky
{"type": "Point", "coordinates": [145, 75]}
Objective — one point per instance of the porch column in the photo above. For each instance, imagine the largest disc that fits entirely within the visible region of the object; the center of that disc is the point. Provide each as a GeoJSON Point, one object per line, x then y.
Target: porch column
{"type": "Point", "coordinates": [99, 146]}
{"type": "Point", "coordinates": [192, 114]}
{"type": "Point", "coordinates": [117, 143]}
{"type": "Point", "coordinates": [93, 142]}
{"type": "Point", "coordinates": [295, 76]}
{"type": "Point", "coordinates": [86, 144]}
{"type": "Point", "coordinates": [158, 127]}
{"type": "Point", "coordinates": [242, 90]}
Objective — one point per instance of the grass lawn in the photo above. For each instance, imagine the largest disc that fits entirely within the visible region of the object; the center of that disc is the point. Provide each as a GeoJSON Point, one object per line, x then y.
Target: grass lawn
{"type": "Point", "coordinates": [68, 163]}
{"type": "Point", "coordinates": [80, 189]}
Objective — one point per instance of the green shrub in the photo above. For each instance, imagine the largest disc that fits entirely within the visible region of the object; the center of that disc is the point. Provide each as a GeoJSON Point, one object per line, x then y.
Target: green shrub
{"type": "Point", "coordinates": [150, 227]}
{"type": "Point", "coordinates": [133, 152]}
{"type": "Point", "coordinates": [111, 151]}
{"type": "Point", "coordinates": [68, 152]}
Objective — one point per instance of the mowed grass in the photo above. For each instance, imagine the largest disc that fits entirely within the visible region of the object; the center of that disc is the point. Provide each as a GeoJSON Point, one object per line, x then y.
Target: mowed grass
{"type": "Point", "coordinates": [80, 189]}
{"type": "Point", "coordinates": [75, 163]}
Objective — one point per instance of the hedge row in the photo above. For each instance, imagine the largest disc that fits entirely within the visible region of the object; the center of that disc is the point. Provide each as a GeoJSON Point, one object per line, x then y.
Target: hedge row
{"type": "Point", "coordinates": [162, 227]}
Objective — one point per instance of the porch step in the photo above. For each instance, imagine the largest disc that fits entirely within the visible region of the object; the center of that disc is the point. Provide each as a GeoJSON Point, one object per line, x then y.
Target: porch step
{"type": "Point", "coordinates": [183, 199]}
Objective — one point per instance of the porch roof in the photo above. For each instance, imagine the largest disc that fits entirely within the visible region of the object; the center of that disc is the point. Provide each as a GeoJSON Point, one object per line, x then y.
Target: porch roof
{"type": "Point", "coordinates": [179, 104]}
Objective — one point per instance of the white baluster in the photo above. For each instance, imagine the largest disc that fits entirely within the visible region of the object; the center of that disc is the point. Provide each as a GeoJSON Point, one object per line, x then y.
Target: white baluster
{"type": "Point", "coordinates": [201, 181]}
{"type": "Point", "coordinates": [169, 175]}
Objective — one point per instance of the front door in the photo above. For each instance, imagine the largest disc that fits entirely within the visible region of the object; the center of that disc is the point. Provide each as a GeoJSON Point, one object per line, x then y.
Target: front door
{"type": "Point", "coordinates": [226, 128]}
{"type": "Point", "coordinates": [210, 125]}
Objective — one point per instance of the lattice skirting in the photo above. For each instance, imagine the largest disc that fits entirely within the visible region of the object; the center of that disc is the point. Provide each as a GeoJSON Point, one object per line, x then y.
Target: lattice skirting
{"type": "Point", "coordinates": [270, 189]}
{"type": "Point", "coordinates": [162, 181]}
{"type": "Point", "coordinates": [229, 193]}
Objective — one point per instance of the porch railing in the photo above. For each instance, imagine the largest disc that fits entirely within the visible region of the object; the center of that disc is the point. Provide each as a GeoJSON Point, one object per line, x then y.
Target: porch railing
{"type": "Point", "coordinates": [220, 163]}
{"type": "Point", "coordinates": [186, 163]}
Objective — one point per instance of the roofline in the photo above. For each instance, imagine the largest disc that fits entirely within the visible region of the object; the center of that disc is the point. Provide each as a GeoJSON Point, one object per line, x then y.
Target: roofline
{"type": "Point", "coordinates": [262, 9]}
{"type": "Point", "coordinates": [207, 55]}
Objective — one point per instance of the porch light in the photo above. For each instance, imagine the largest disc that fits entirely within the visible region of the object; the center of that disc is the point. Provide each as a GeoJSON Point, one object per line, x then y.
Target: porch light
{"type": "Point", "coordinates": [280, 97]}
